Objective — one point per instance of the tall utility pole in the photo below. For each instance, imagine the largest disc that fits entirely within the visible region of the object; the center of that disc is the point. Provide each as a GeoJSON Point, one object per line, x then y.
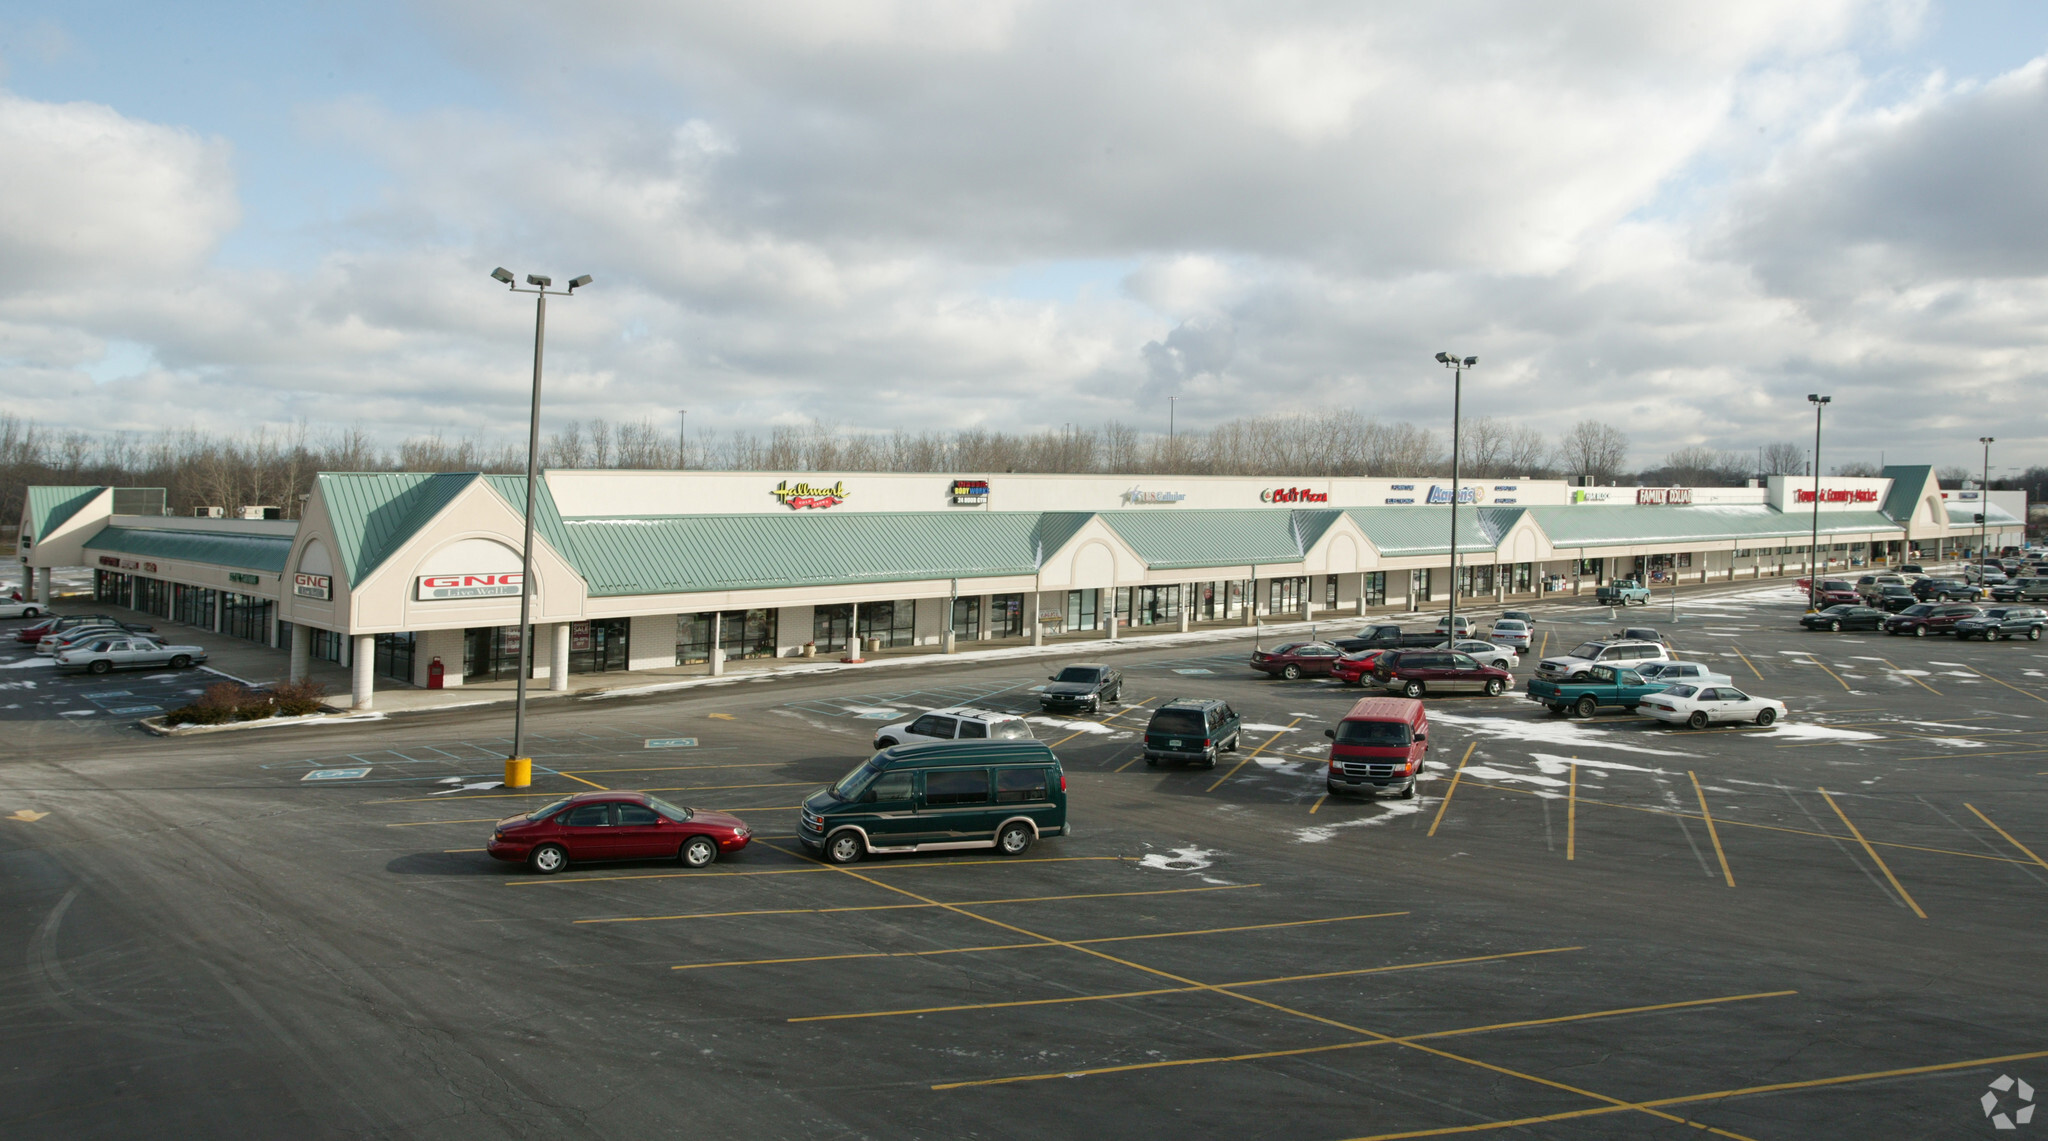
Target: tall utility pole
{"type": "Point", "coordinates": [683, 440]}
{"type": "Point", "coordinates": [1457, 365]}
{"type": "Point", "coordinates": [1984, 507]}
{"type": "Point", "coordinates": [1820, 403]}
{"type": "Point", "coordinates": [541, 292]}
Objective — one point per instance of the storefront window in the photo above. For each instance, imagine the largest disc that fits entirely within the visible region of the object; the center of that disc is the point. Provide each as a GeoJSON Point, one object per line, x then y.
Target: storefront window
{"type": "Point", "coordinates": [597, 646]}
{"type": "Point", "coordinates": [967, 619]}
{"type": "Point", "coordinates": [394, 656]}
{"type": "Point", "coordinates": [153, 596]}
{"type": "Point", "coordinates": [112, 587]}
{"type": "Point", "coordinates": [1080, 612]}
{"type": "Point", "coordinates": [742, 633]}
{"type": "Point", "coordinates": [1234, 606]}
{"type": "Point", "coordinates": [1525, 578]}
{"type": "Point", "coordinates": [831, 626]}
{"type": "Point", "coordinates": [1006, 616]}
{"type": "Point", "coordinates": [1685, 558]}
{"type": "Point", "coordinates": [326, 644]}
{"type": "Point", "coordinates": [1376, 588]}
{"type": "Point", "coordinates": [1418, 586]}
{"type": "Point", "coordinates": [194, 605]}
{"type": "Point", "coordinates": [1285, 594]}
{"type": "Point", "coordinates": [894, 623]}
{"type": "Point", "coordinates": [246, 616]}
{"type": "Point", "coordinates": [489, 653]}
{"type": "Point", "coordinates": [1156, 604]}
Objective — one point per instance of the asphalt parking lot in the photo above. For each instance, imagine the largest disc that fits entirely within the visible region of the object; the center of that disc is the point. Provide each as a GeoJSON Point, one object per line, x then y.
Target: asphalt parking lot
{"type": "Point", "coordinates": [1580, 928]}
{"type": "Point", "coordinates": [31, 689]}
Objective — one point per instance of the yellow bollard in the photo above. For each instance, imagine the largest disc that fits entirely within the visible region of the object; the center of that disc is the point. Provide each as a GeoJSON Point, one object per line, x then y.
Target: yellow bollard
{"type": "Point", "coordinates": [518, 772]}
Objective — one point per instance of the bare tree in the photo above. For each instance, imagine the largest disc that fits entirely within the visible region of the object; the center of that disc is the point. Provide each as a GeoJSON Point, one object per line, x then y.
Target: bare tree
{"type": "Point", "coordinates": [1784, 458]}
{"type": "Point", "coordinates": [1953, 475]}
{"type": "Point", "coordinates": [1593, 449]}
{"type": "Point", "coordinates": [1858, 469]}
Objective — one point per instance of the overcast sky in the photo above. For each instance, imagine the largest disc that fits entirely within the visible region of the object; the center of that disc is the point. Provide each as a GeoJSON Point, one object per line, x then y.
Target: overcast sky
{"type": "Point", "coordinates": [1679, 217]}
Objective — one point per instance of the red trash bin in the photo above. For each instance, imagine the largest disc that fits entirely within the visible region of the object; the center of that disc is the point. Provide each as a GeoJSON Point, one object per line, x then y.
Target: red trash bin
{"type": "Point", "coordinates": [435, 672]}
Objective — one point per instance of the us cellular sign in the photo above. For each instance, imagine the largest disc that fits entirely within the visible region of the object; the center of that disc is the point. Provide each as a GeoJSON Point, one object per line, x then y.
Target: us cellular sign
{"type": "Point", "coordinates": [434, 587]}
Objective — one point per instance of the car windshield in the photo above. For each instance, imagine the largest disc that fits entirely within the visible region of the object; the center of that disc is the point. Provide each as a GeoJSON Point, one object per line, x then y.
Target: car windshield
{"type": "Point", "coordinates": [1509, 624]}
{"type": "Point", "coordinates": [851, 785]}
{"type": "Point", "coordinates": [1185, 722]}
{"type": "Point", "coordinates": [1681, 691]}
{"type": "Point", "coordinates": [1838, 610]}
{"type": "Point", "coordinates": [674, 812]}
{"type": "Point", "coordinates": [1082, 674]}
{"type": "Point", "coordinates": [1916, 611]}
{"type": "Point", "coordinates": [537, 813]}
{"type": "Point", "coordinates": [1588, 650]}
{"type": "Point", "coordinates": [1383, 734]}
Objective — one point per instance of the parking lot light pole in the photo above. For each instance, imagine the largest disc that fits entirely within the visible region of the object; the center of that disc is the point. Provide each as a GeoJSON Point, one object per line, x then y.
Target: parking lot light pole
{"type": "Point", "coordinates": [518, 766]}
{"type": "Point", "coordinates": [1984, 507]}
{"type": "Point", "coordinates": [1457, 365]}
{"type": "Point", "coordinates": [1820, 403]}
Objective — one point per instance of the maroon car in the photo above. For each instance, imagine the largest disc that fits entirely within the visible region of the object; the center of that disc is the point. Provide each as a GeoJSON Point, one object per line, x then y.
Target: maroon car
{"type": "Point", "coordinates": [1414, 673]}
{"type": "Point", "coordinates": [615, 826]}
{"type": "Point", "coordinates": [1930, 618]}
{"type": "Point", "coordinates": [1297, 659]}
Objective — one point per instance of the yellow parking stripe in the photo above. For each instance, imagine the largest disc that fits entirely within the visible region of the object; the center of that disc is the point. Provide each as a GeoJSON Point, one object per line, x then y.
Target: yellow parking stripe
{"type": "Point", "coordinates": [1831, 673]}
{"type": "Point", "coordinates": [1453, 790]}
{"type": "Point", "coordinates": [1133, 708]}
{"type": "Point", "coordinates": [1247, 758]}
{"type": "Point", "coordinates": [2007, 835]}
{"type": "Point", "coordinates": [1910, 677]}
{"type": "Point", "coordinates": [913, 906]}
{"type": "Point", "coordinates": [1711, 833]}
{"type": "Point", "coordinates": [942, 863]}
{"type": "Point", "coordinates": [1995, 681]}
{"type": "Point", "coordinates": [1875, 858]}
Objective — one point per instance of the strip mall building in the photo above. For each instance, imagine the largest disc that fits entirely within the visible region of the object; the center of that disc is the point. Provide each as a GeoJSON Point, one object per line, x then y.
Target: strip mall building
{"type": "Point", "coordinates": [388, 573]}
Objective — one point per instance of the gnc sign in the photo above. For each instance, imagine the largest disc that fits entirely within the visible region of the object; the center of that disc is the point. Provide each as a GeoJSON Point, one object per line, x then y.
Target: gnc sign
{"type": "Point", "coordinates": [434, 587]}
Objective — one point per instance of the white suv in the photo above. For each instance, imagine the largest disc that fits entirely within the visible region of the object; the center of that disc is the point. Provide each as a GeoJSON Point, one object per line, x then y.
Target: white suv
{"type": "Point", "coordinates": [1615, 653]}
{"type": "Point", "coordinates": [957, 723]}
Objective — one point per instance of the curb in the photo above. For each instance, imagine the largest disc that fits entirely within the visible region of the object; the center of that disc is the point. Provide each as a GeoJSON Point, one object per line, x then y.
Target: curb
{"type": "Point", "coordinates": [155, 726]}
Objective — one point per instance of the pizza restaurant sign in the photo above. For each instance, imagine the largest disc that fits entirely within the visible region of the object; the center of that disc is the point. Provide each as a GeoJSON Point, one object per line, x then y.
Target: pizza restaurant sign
{"type": "Point", "coordinates": [804, 495]}
{"type": "Point", "coordinates": [1293, 495]}
{"type": "Point", "coordinates": [1836, 495]}
{"type": "Point", "coordinates": [436, 587]}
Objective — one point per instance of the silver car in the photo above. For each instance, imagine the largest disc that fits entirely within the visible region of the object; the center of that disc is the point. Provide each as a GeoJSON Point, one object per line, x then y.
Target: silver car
{"type": "Point", "coordinates": [130, 651]}
{"type": "Point", "coordinates": [1487, 654]}
{"type": "Point", "coordinates": [1510, 632]}
{"type": "Point", "coordinates": [51, 644]}
{"type": "Point", "coordinates": [1691, 673]}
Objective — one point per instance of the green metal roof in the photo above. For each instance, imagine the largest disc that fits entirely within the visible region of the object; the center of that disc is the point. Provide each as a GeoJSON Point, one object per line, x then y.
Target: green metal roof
{"type": "Point", "coordinates": [250, 552]}
{"type": "Point", "coordinates": [1907, 484]}
{"type": "Point", "coordinates": [652, 555]}
{"type": "Point", "coordinates": [1173, 539]}
{"type": "Point", "coordinates": [1578, 526]}
{"type": "Point", "coordinates": [50, 507]}
{"type": "Point", "coordinates": [1406, 531]}
{"type": "Point", "coordinates": [547, 521]}
{"type": "Point", "coordinates": [375, 512]}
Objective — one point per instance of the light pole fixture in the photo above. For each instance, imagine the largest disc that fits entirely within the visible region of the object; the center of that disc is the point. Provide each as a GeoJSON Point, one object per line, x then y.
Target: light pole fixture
{"type": "Point", "coordinates": [683, 440]}
{"type": "Point", "coordinates": [1457, 365]}
{"type": "Point", "coordinates": [1984, 507]}
{"type": "Point", "coordinates": [518, 766]}
{"type": "Point", "coordinates": [1820, 404]}
{"type": "Point", "coordinates": [1170, 402]}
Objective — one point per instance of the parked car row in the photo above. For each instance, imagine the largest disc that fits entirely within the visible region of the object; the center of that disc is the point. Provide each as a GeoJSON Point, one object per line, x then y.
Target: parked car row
{"type": "Point", "coordinates": [1991, 623]}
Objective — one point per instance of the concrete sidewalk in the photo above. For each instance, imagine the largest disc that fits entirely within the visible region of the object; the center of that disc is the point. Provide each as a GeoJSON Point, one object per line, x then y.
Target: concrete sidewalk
{"type": "Point", "coordinates": [258, 665]}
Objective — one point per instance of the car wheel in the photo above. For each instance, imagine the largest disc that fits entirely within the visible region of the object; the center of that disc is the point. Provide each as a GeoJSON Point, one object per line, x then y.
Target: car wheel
{"type": "Point", "coordinates": [886, 742]}
{"type": "Point", "coordinates": [845, 847]}
{"type": "Point", "coordinates": [1412, 689]}
{"type": "Point", "coordinates": [2034, 635]}
{"type": "Point", "coordinates": [1577, 677]}
{"type": "Point", "coordinates": [1151, 762]}
{"type": "Point", "coordinates": [1014, 839]}
{"type": "Point", "coordinates": [1587, 706]}
{"type": "Point", "coordinates": [1919, 631]}
{"type": "Point", "coordinates": [101, 667]}
{"type": "Point", "coordinates": [1409, 792]}
{"type": "Point", "coordinates": [1208, 762]}
{"type": "Point", "coordinates": [1495, 687]}
{"type": "Point", "coordinates": [1698, 720]}
{"type": "Point", "coordinates": [698, 852]}
{"type": "Point", "coordinates": [1291, 672]}
{"type": "Point", "coordinates": [1557, 710]}
{"type": "Point", "coordinates": [1835, 626]}
{"type": "Point", "coordinates": [547, 859]}
{"type": "Point", "coordinates": [1766, 716]}
{"type": "Point", "coordinates": [31, 612]}
{"type": "Point", "coordinates": [1235, 736]}
{"type": "Point", "coordinates": [181, 661]}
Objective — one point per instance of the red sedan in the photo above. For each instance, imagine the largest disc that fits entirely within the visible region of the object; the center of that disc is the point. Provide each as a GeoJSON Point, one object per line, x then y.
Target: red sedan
{"type": "Point", "coordinates": [615, 826]}
{"type": "Point", "coordinates": [1297, 659]}
{"type": "Point", "coordinates": [1353, 669]}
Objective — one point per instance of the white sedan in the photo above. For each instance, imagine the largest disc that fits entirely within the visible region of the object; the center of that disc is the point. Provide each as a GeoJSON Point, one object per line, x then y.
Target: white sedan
{"type": "Point", "coordinates": [1702, 705]}
{"type": "Point", "coordinates": [1487, 654]}
{"type": "Point", "coordinates": [9, 608]}
{"type": "Point", "coordinates": [127, 652]}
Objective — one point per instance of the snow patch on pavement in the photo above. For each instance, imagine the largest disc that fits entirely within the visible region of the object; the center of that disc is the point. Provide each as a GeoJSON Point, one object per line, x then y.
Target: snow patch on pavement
{"type": "Point", "coordinates": [1388, 811]}
{"type": "Point", "coordinates": [1181, 860]}
{"type": "Point", "coordinates": [1555, 732]}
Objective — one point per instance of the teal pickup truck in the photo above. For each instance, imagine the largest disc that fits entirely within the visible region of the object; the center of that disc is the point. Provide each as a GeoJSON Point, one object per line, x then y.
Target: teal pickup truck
{"type": "Point", "coordinates": [1605, 686]}
{"type": "Point", "coordinates": [1623, 591]}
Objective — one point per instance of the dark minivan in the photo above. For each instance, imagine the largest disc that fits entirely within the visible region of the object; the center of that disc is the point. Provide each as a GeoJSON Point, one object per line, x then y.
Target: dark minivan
{"type": "Point", "coordinates": [1191, 729]}
{"type": "Point", "coordinates": [939, 796]}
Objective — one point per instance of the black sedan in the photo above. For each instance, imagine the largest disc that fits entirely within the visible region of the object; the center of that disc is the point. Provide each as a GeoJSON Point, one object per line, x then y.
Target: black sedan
{"type": "Point", "coordinates": [1944, 590]}
{"type": "Point", "coordinates": [1894, 598]}
{"type": "Point", "coordinates": [1081, 687]}
{"type": "Point", "coordinates": [1846, 617]}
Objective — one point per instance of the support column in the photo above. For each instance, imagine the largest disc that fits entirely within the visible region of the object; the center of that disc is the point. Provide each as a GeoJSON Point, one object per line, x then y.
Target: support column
{"type": "Point", "coordinates": [302, 652]}
{"type": "Point", "coordinates": [988, 617]}
{"type": "Point", "coordinates": [1105, 610]}
{"type": "Point", "coordinates": [1361, 593]}
{"type": "Point", "coordinates": [853, 653]}
{"type": "Point", "coordinates": [1187, 606]}
{"type": "Point", "coordinates": [716, 655]}
{"type": "Point", "coordinates": [558, 658]}
{"type": "Point", "coordinates": [43, 585]}
{"type": "Point", "coordinates": [1037, 627]}
{"type": "Point", "coordinates": [1251, 601]}
{"type": "Point", "coordinates": [362, 671]}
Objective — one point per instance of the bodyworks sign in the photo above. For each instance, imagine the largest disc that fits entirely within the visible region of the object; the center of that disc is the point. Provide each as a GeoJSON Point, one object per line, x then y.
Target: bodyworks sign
{"type": "Point", "coordinates": [435, 587]}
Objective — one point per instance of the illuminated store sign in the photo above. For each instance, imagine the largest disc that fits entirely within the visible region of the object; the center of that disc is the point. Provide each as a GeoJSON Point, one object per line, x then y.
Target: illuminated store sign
{"type": "Point", "coordinates": [1667, 496]}
{"type": "Point", "coordinates": [803, 495]}
{"type": "Point", "coordinates": [1292, 495]}
{"type": "Point", "coordinates": [1465, 494]}
{"type": "Point", "coordinates": [1582, 495]}
{"type": "Point", "coordinates": [1136, 496]}
{"type": "Point", "coordinates": [313, 586]}
{"type": "Point", "coordinates": [432, 587]}
{"type": "Point", "coordinates": [969, 492]}
{"type": "Point", "coordinates": [1836, 495]}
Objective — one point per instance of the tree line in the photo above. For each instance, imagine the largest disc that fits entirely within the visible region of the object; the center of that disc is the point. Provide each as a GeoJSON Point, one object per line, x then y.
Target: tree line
{"type": "Point", "coordinates": [272, 467]}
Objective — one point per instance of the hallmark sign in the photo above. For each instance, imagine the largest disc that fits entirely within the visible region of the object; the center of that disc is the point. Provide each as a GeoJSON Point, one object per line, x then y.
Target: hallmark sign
{"type": "Point", "coordinates": [436, 587]}
{"type": "Point", "coordinates": [804, 495]}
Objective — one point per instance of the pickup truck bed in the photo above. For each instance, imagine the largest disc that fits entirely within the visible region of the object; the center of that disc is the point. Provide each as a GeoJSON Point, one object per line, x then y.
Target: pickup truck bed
{"type": "Point", "coordinates": [1589, 697]}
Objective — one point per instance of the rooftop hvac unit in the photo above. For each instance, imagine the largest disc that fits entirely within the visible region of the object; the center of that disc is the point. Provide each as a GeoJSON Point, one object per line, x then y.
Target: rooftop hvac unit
{"type": "Point", "coordinates": [262, 512]}
{"type": "Point", "coordinates": [209, 512]}
{"type": "Point", "coordinates": [140, 501]}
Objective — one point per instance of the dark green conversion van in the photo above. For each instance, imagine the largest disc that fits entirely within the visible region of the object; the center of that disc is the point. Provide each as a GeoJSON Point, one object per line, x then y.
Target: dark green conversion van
{"type": "Point", "coordinates": [939, 796]}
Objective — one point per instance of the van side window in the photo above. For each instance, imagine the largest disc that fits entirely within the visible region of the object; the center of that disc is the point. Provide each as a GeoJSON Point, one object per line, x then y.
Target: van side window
{"type": "Point", "coordinates": [1020, 786]}
{"type": "Point", "coordinates": [889, 788]}
{"type": "Point", "coordinates": [973, 728]}
{"type": "Point", "coordinates": [944, 787]}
